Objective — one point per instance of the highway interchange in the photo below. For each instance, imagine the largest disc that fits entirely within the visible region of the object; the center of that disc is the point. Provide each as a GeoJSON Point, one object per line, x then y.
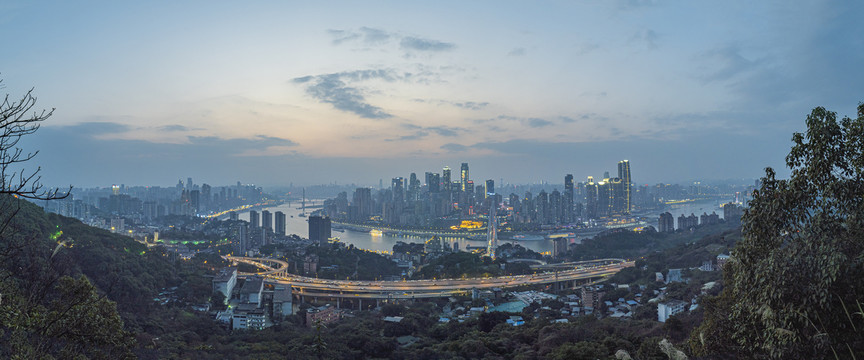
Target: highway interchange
{"type": "Point", "coordinates": [409, 289]}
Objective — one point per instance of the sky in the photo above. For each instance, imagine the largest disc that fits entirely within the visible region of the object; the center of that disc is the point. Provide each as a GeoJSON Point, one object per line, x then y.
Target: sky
{"type": "Point", "coordinates": [277, 93]}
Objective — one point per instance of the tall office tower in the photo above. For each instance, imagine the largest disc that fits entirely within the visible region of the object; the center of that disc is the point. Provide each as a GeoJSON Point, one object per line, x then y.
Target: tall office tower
{"type": "Point", "coordinates": [591, 195]}
{"type": "Point", "coordinates": [624, 174]}
{"type": "Point", "coordinates": [617, 203]}
{"type": "Point", "coordinates": [445, 179]}
{"type": "Point", "coordinates": [490, 188]}
{"type": "Point", "coordinates": [279, 219]}
{"type": "Point", "coordinates": [267, 220]}
{"type": "Point", "coordinates": [206, 197]}
{"type": "Point", "coordinates": [363, 202]}
{"type": "Point", "coordinates": [242, 239]}
{"type": "Point", "coordinates": [319, 229]}
{"type": "Point", "coordinates": [253, 219]}
{"type": "Point", "coordinates": [605, 175]}
{"type": "Point", "coordinates": [568, 198]}
{"type": "Point", "coordinates": [556, 207]}
{"type": "Point", "coordinates": [413, 187]}
{"type": "Point", "coordinates": [433, 182]}
{"type": "Point", "coordinates": [464, 177]}
{"type": "Point", "coordinates": [397, 186]}
{"type": "Point", "coordinates": [604, 198]}
{"type": "Point", "coordinates": [195, 200]}
{"type": "Point", "coordinates": [189, 183]}
{"type": "Point", "coordinates": [541, 202]}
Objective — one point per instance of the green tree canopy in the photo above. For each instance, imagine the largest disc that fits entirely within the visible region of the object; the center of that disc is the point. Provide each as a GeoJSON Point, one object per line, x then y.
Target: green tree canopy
{"type": "Point", "coordinates": [795, 283]}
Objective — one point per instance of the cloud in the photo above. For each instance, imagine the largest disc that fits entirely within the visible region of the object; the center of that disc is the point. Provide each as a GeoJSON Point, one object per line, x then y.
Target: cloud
{"type": "Point", "coordinates": [341, 36]}
{"type": "Point", "coordinates": [647, 38]}
{"type": "Point", "coordinates": [582, 49]}
{"type": "Point", "coordinates": [519, 51]}
{"type": "Point", "coordinates": [100, 127]}
{"type": "Point", "coordinates": [421, 131]}
{"type": "Point", "coordinates": [174, 128]}
{"type": "Point", "coordinates": [724, 63]}
{"type": "Point", "coordinates": [334, 90]}
{"type": "Point", "coordinates": [372, 35]}
{"type": "Point", "coordinates": [532, 122]}
{"type": "Point", "coordinates": [470, 105]}
{"type": "Point", "coordinates": [419, 44]}
{"type": "Point", "coordinates": [376, 37]}
{"type": "Point", "coordinates": [445, 130]}
{"type": "Point", "coordinates": [369, 36]}
{"type": "Point", "coordinates": [453, 147]}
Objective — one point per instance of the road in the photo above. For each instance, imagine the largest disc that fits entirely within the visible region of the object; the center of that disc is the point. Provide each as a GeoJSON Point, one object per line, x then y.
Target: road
{"type": "Point", "coordinates": [425, 288]}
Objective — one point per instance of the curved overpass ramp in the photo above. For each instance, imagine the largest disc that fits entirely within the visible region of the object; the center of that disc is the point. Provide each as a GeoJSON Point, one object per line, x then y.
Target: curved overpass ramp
{"type": "Point", "coordinates": [274, 271]}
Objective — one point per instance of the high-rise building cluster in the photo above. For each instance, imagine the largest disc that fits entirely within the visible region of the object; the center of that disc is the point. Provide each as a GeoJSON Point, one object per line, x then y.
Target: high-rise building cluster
{"type": "Point", "coordinates": [443, 198]}
{"type": "Point", "coordinates": [610, 196]}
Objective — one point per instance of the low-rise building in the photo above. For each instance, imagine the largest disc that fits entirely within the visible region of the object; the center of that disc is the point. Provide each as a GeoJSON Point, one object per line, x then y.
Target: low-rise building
{"type": "Point", "coordinates": [669, 308]}
{"type": "Point", "coordinates": [282, 302]}
{"type": "Point", "coordinates": [325, 314]}
{"type": "Point", "coordinates": [248, 316]}
{"type": "Point", "coordinates": [252, 290]}
{"type": "Point", "coordinates": [721, 260]}
{"type": "Point", "coordinates": [225, 281]}
{"type": "Point", "coordinates": [674, 275]}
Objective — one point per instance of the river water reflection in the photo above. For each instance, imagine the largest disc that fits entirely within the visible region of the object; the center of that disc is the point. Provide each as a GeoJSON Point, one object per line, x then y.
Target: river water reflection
{"type": "Point", "coordinates": [384, 243]}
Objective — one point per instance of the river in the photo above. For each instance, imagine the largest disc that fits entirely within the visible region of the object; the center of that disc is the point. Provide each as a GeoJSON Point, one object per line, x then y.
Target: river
{"type": "Point", "coordinates": [384, 243]}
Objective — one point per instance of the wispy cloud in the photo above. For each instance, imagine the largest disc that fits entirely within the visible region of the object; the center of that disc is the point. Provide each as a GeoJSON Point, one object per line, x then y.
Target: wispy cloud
{"type": "Point", "coordinates": [519, 51]}
{"type": "Point", "coordinates": [645, 38]}
{"type": "Point", "coordinates": [454, 147]}
{"type": "Point", "coordinates": [333, 89]}
{"type": "Point", "coordinates": [532, 122]}
{"type": "Point", "coordinates": [724, 63]}
{"type": "Point", "coordinates": [419, 132]}
{"type": "Point", "coordinates": [420, 44]}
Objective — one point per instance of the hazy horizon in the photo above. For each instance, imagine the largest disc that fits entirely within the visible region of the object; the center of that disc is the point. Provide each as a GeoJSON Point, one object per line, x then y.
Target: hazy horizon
{"type": "Point", "coordinates": [312, 93]}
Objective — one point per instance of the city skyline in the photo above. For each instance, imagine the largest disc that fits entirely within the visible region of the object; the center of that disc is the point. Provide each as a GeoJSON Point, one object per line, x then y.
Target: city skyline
{"type": "Point", "coordinates": [302, 93]}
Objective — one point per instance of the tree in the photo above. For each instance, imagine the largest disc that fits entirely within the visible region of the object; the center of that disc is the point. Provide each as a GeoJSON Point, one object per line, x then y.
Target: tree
{"type": "Point", "coordinates": [795, 282]}
{"type": "Point", "coordinates": [16, 120]}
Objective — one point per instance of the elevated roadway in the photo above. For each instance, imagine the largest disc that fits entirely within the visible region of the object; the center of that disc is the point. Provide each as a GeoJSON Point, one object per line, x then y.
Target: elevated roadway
{"type": "Point", "coordinates": [410, 289]}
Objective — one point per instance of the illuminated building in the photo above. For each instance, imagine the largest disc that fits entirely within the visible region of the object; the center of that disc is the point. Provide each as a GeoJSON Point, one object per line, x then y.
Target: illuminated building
{"type": "Point", "coordinates": [464, 178]}
{"type": "Point", "coordinates": [624, 175]}
{"type": "Point", "coordinates": [490, 188]}
{"type": "Point", "coordinates": [568, 198]}
{"type": "Point", "coordinates": [433, 182]}
{"type": "Point", "coordinates": [591, 194]}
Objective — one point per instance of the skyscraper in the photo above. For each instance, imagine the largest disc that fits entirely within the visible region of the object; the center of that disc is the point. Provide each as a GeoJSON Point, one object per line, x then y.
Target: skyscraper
{"type": "Point", "coordinates": [279, 219]}
{"type": "Point", "coordinates": [413, 187]}
{"type": "Point", "coordinates": [253, 219]}
{"type": "Point", "coordinates": [591, 195]}
{"type": "Point", "coordinates": [267, 220]}
{"type": "Point", "coordinates": [624, 174]}
{"type": "Point", "coordinates": [490, 188]}
{"type": "Point", "coordinates": [319, 229]}
{"type": "Point", "coordinates": [464, 177]}
{"type": "Point", "coordinates": [568, 198]}
{"type": "Point", "coordinates": [446, 181]}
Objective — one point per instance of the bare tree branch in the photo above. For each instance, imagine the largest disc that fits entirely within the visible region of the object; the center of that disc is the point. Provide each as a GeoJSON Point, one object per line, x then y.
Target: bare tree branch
{"type": "Point", "coordinates": [18, 119]}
